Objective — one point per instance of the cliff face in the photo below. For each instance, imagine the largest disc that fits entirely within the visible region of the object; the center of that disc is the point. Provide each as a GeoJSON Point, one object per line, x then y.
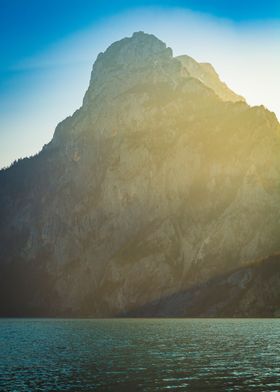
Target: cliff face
{"type": "Point", "coordinates": [161, 181]}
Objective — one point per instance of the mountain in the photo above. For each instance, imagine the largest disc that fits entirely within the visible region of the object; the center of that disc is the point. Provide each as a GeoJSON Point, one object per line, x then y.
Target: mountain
{"type": "Point", "coordinates": [163, 183]}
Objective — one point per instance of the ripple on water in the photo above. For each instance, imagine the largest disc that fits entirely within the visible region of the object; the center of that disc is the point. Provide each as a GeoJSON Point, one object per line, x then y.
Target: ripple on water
{"type": "Point", "coordinates": [146, 355]}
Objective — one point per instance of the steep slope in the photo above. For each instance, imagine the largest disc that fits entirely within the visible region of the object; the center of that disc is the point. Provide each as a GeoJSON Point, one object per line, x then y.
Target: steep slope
{"type": "Point", "coordinates": [153, 186]}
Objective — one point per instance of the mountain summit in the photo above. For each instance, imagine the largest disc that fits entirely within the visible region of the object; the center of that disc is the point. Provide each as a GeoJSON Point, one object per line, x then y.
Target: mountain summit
{"type": "Point", "coordinates": [155, 197]}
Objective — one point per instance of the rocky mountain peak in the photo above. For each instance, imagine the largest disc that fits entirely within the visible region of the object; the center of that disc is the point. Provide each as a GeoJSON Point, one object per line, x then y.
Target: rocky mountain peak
{"type": "Point", "coordinates": [135, 51]}
{"type": "Point", "coordinates": [139, 59]}
{"type": "Point", "coordinates": [145, 59]}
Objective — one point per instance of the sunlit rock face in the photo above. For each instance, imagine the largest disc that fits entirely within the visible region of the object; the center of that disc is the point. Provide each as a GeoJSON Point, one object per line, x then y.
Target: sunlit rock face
{"type": "Point", "coordinates": [163, 180]}
{"type": "Point", "coordinates": [209, 77]}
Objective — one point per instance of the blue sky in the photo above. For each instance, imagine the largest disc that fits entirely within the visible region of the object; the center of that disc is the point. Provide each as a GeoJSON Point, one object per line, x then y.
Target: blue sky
{"type": "Point", "coordinates": [47, 49]}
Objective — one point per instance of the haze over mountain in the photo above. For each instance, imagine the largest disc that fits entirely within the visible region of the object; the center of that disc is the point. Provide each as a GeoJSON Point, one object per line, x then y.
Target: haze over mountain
{"type": "Point", "coordinates": [159, 196]}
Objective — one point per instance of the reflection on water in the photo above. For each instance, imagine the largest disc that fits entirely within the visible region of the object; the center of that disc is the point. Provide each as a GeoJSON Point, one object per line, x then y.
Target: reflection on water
{"type": "Point", "coordinates": [139, 355]}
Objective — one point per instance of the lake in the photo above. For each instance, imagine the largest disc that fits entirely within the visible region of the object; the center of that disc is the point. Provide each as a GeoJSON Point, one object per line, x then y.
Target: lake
{"type": "Point", "coordinates": [140, 355]}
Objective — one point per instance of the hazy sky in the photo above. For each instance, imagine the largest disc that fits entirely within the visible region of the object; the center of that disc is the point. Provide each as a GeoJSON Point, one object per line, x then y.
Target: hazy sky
{"type": "Point", "coordinates": [47, 49]}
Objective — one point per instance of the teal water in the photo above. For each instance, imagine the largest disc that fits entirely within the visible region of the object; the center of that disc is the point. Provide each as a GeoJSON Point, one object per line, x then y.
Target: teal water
{"type": "Point", "coordinates": [139, 355]}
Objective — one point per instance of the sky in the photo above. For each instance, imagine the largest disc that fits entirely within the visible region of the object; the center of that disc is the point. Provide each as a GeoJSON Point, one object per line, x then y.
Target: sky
{"type": "Point", "coordinates": [47, 49]}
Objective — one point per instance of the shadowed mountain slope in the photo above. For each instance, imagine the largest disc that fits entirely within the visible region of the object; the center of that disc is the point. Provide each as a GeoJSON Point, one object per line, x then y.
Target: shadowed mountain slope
{"type": "Point", "coordinates": [161, 181]}
{"type": "Point", "coordinates": [250, 291]}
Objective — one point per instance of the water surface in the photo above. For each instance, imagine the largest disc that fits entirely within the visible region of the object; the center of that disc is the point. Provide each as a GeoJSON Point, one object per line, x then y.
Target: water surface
{"type": "Point", "coordinates": [139, 355]}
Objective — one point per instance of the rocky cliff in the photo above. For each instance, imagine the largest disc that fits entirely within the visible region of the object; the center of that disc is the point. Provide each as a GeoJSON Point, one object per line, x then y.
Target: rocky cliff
{"type": "Point", "coordinates": [162, 181]}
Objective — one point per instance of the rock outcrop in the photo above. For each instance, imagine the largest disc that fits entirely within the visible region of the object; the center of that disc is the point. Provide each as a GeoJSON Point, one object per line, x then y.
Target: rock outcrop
{"type": "Point", "coordinates": [162, 181]}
